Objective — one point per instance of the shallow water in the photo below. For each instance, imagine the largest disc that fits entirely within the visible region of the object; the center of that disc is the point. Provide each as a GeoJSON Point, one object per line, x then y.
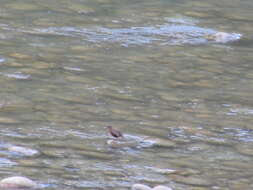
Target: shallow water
{"type": "Point", "coordinates": [184, 103]}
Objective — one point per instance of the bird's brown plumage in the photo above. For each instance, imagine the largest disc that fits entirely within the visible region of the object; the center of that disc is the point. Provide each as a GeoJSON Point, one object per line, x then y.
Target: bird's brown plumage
{"type": "Point", "coordinates": [115, 133]}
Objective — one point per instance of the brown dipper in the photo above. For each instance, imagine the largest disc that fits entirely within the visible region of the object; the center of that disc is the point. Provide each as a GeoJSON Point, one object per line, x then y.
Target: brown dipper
{"type": "Point", "coordinates": [115, 133]}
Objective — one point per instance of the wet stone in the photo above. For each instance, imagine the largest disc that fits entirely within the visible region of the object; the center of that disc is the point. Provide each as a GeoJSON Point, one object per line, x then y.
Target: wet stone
{"type": "Point", "coordinates": [161, 187]}
{"type": "Point", "coordinates": [168, 97]}
{"type": "Point", "coordinates": [145, 187]}
{"type": "Point", "coordinates": [187, 172]}
{"type": "Point", "coordinates": [17, 182]}
{"type": "Point", "coordinates": [23, 150]}
{"type": "Point", "coordinates": [18, 75]}
{"type": "Point", "coordinates": [165, 171]}
{"type": "Point", "coordinates": [223, 37]}
{"type": "Point", "coordinates": [74, 69]}
{"type": "Point", "coordinates": [140, 187]}
{"type": "Point", "coordinates": [154, 180]}
{"type": "Point", "coordinates": [121, 144]}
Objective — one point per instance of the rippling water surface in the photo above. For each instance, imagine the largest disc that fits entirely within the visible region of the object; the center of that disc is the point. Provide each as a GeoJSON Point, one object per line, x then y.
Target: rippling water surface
{"type": "Point", "coordinates": [148, 68]}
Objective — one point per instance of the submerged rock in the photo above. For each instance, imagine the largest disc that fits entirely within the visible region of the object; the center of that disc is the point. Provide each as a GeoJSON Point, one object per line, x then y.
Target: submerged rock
{"type": "Point", "coordinates": [140, 187]}
{"type": "Point", "coordinates": [139, 142]}
{"type": "Point", "coordinates": [23, 150]}
{"type": "Point", "coordinates": [223, 37]}
{"type": "Point", "coordinates": [161, 187]}
{"type": "Point", "coordinates": [145, 187]}
{"type": "Point", "coordinates": [17, 182]}
{"type": "Point", "coordinates": [121, 143]}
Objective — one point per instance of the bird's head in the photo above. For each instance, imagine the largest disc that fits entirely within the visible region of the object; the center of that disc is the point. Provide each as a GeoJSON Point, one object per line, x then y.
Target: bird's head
{"type": "Point", "coordinates": [109, 127]}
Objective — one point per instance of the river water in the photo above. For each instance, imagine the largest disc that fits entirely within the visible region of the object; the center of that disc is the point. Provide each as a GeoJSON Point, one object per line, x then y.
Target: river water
{"type": "Point", "coordinates": [147, 68]}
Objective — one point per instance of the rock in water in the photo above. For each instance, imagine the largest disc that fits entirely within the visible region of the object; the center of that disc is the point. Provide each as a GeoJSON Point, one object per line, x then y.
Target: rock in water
{"type": "Point", "coordinates": [223, 37]}
{"type": "Point", "coordinates": [22, 150]}
{"type": "Point", "coordinates": [145, 187]}
{"type": "Point", "coordinates": [140, 187]}
{"type": "Point", "coordinates": [161, 187]}
{"type": "Point", "coordinates": [17, 182]}
{"type": "Point", "coordinates": [122, 144]}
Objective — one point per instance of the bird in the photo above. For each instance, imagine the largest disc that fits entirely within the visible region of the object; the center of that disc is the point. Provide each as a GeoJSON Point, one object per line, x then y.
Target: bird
{"type": "Point", "coordinates": [115, 133]}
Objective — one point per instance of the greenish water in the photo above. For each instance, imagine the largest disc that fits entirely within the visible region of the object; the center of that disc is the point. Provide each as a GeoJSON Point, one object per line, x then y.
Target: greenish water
{"type": "Point", "coordinates": [70, 68]}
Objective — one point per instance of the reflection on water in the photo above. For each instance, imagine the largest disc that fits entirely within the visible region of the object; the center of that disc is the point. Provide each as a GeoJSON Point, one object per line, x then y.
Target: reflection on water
{"type": "Point", "coordinates": [152, 69]}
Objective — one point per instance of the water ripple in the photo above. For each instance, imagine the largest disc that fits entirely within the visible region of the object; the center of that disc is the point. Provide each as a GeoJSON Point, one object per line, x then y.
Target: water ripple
{"type": "Point", "coordinates": [243, 111]}
{"type": "Point", "coordinates": [2, 59]}
{"type": "Point", "coordinates": [4, 162]}
{"type": "Point", "coordinates": [172, 33]}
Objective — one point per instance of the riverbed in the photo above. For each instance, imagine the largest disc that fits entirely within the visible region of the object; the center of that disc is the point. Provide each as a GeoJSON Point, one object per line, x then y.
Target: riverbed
{"type": "Point", "coordinates": [147, 68]}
